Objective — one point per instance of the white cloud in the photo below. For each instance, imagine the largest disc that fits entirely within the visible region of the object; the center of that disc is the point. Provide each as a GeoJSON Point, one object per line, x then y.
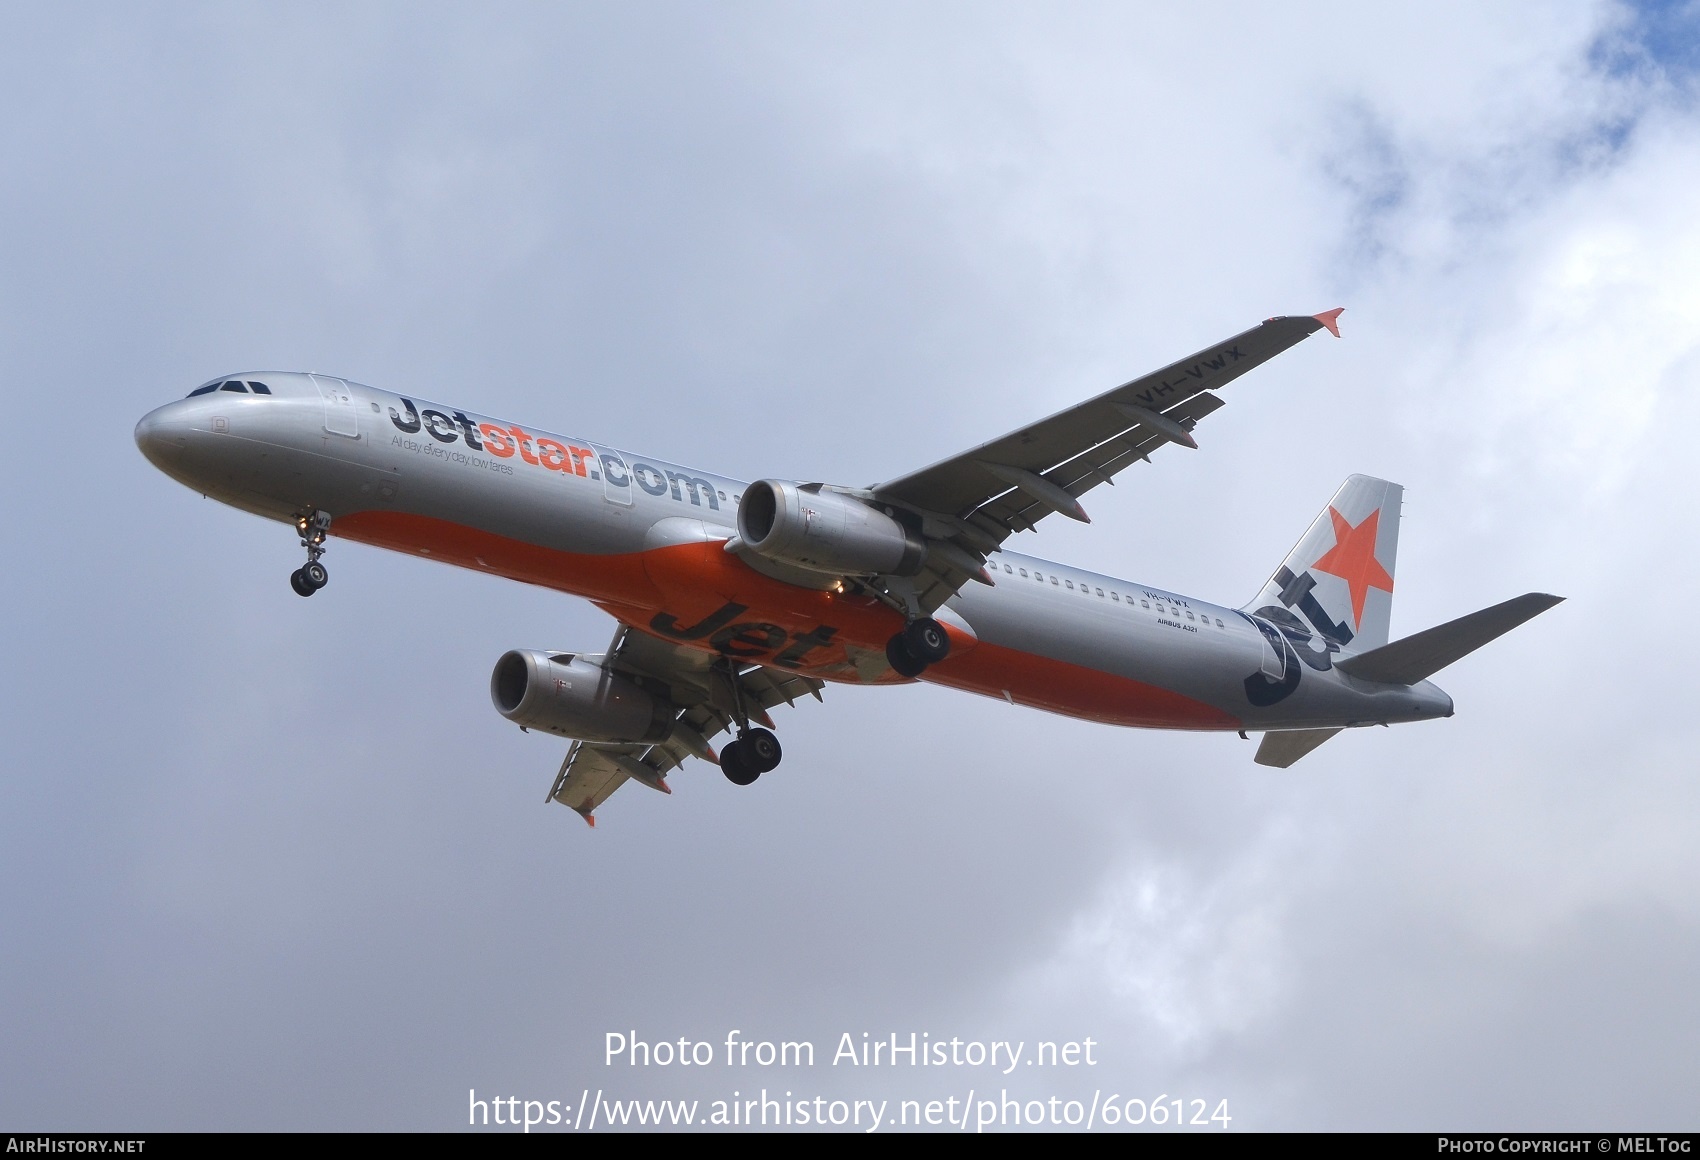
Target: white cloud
{"type": "Point", "coordinates": [840, 243]}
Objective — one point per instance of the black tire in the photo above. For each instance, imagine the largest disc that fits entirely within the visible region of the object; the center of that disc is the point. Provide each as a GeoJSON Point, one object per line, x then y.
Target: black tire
{"type": "Point", "coordinates": [732, 764]}
{"type": "Point", "coordinates": [902, 661]}
{"type": "Point", "coordinates": [299, 583]}
{"type": "Point", "coordinates": [927, 640]}
{"type": "Point", "coordinates": [315, 574]}
{"type": "Point", "coordinates": [760, 749]}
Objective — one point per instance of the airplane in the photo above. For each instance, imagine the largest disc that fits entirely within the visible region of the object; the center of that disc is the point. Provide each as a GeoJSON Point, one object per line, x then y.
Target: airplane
{"type": "Point", "coordinates": [732, 597]}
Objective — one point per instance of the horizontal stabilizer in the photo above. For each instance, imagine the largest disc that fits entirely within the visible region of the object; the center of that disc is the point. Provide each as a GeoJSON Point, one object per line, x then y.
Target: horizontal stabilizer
{"type": "Point", "coordinates": [1282, 749]}
{"type": "Point", "coordinates": [1415, 658]}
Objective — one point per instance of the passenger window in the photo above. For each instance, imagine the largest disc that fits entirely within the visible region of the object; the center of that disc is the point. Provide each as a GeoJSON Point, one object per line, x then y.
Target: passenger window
{"type": "Point", "coordinates": [203, 390]}
{"type": "Point", "coordinates": [262, 389]}
{"type": "Point", "coordinates": [1070, 584]}
{"type": "Point", "coordinates": [1219, 624]}
{"type": "Point", "coordinates": [1008, 569]}
{"type": "Point", "coordinates": [233, 385]}
{"type": "Point", "coordinates": [1189, 614]}
{"type": "Point", "coordinates": [1114, 597]}
{"type": "Point", "coordinates": [1053, 581]}
{"type": "Point", "coordinates": [1024, 573]}
{"type": "Point", "coordinates": [1145, 604]}
{"type": "Point", "coordinates": [1100, 592]}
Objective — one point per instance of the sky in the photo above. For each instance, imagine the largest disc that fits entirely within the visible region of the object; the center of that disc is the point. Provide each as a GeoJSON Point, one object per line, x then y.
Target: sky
{"type": "Point", "coordinates": [268, 863]}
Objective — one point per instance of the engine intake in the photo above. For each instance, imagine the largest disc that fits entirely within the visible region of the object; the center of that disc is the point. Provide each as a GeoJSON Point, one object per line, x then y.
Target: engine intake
{"type": "Point", "coordinates": [573, 697]}
{"type": "Point", "coordinates": [824, 531]}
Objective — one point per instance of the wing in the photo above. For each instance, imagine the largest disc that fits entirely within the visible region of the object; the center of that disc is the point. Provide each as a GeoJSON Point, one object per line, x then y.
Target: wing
{"type": "Point", "coordinates": [700, 686]}
{"type": "Point", "coordinates": [972, 502]}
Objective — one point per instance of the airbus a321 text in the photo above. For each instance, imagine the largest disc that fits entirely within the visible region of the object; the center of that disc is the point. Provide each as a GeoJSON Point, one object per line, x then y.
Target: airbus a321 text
{"type": "Point", "coordinates": [733, 597]}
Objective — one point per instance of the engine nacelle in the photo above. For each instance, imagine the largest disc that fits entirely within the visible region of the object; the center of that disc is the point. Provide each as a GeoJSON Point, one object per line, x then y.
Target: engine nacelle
{"type": "Point", "coordinates": [824, 531]}
{"type": "Point", "coordinates": [564, 694]}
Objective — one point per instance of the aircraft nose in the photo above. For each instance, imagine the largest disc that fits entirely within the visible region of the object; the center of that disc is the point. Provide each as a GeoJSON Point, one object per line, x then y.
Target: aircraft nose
{"type": "Point", "coordinates": [162, 436]}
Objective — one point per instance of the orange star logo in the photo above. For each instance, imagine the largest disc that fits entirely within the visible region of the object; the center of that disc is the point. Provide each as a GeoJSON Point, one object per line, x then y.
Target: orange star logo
{"type": "Point", "coordinates": [1352, 558]}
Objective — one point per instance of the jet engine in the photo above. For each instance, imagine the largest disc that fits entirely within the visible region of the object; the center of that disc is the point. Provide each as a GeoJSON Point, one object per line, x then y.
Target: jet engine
{"type": "Point", "coordinates": [574, 697]}
{"type": "Point", "coordinates": [823, 531]}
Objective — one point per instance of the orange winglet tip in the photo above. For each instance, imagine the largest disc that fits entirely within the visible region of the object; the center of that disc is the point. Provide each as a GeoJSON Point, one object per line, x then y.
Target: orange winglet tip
{"type": "Point", "coordinates": [661, 784]}
{"type": "Point", "coordinates": [589, 818]}
{"type": "Point", "coordinates": [1331, 319]}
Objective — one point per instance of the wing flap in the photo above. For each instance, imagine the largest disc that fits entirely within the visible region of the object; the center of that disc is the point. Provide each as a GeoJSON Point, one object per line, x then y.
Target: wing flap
{"type": "Point", "coordinates": [699, 685]}
{"type": "Point", "coordinates": [1016, 510]}
{"type": "Point", "coordinates": [587, 777]}
{"type": "Point", "coordinates": [972, 502]}
{"type": "Point", "coordinates": [962, 483]}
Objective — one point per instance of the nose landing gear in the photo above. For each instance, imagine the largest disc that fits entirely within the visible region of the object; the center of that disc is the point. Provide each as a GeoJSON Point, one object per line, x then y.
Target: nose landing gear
{"type": "Point", "coordinates": [311, 576]}
{"type": "Point", "coordinates": [922, 642]}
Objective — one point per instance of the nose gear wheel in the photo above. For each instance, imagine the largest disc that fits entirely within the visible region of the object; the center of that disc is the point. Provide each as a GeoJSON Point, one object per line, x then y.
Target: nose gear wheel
{"type": "Point", "coordinates": [311, 576]}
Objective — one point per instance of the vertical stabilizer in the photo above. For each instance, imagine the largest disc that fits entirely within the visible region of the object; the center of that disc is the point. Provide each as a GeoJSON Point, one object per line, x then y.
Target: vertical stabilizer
{"type": "Point", "coordinates": [1338, 582]}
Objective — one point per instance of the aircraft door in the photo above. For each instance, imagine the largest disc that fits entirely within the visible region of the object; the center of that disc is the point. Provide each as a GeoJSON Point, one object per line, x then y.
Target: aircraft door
{"type": "Point", "coordinates": [616, 475]}
{"type": "Point", "coordinates": [341, 416]}
{"type": "Point", "coordinates": [1272, 653]}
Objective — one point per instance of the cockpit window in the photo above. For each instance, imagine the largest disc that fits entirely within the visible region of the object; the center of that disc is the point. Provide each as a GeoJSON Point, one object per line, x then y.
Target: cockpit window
{"type": "Point", "coordinates": [235, 386]}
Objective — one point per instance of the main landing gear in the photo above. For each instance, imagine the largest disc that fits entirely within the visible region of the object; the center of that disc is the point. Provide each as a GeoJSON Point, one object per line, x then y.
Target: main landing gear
{"type": "Point", "coordinates": [922, 642]}
{"type": "Point", "coordinates": [311, 576]}
{"type": "Point", "coordinates": [754, 751]}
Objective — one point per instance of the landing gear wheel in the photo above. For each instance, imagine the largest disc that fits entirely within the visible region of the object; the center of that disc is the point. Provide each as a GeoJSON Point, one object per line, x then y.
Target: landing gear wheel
{"type": "Point", "coordinates": [760, 750]}
{"type": "Point", "coordinates": [902, 661]}
{"type": "Point", "coordinates": [927, 640]}
{"type": "Point", "coordinates": [311, 576]}
{"type": "Point", "coordinates": [733, 765]}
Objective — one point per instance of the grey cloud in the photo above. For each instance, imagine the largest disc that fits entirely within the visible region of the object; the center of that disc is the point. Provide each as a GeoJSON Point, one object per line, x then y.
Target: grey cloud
{"type": "Point", "coordinates": [274, 863]}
